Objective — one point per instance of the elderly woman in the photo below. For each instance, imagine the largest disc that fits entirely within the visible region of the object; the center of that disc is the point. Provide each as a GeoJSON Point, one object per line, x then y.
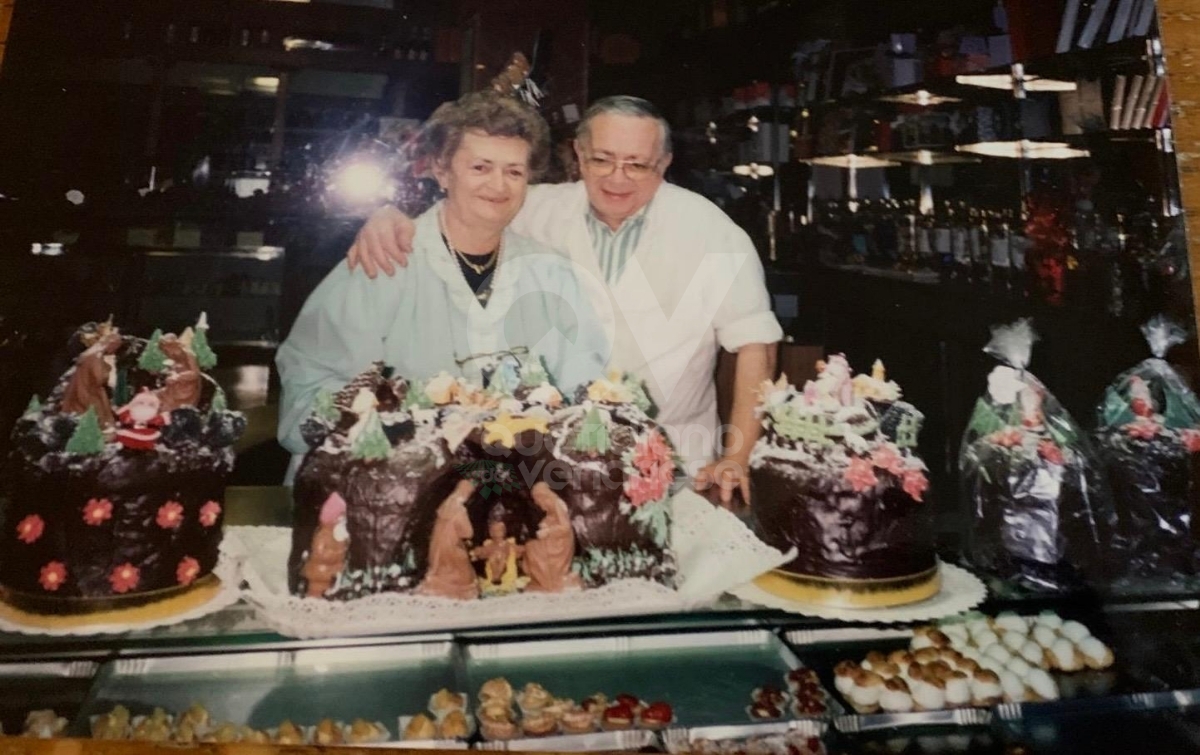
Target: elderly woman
{"type": "Point", "coordinates": [473, 286]}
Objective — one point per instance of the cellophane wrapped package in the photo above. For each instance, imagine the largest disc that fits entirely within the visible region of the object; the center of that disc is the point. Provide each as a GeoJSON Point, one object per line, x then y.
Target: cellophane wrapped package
{"type": "Point", "coordinates": [1041, 516]}
{"type": "Point", "coordinates": [1148, 436]}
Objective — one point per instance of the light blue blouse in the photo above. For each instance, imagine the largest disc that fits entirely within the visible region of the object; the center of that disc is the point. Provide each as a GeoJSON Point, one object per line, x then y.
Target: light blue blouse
{"type": "Point", "coordinates": [427, 320]}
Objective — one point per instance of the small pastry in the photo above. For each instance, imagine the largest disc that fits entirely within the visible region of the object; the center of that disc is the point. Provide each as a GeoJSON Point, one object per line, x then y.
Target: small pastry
{"type": "Point", "coordinates": [986, 639]}
{"type": "Point", "coordinates": [978, 623]}
{"type": "Point", "coordinates": [558, 706]}
{"type": "Point", "coordinates": [444, 701]}
{"type": "Point", "coordinates": [539, 724]}
{"type": "Point", "coordinates": [991, 664]}
{"type": "Point", "coordinates": [896, 697]}
{"type": "Point", "coordinates": [617, 717]}
{"type": "Point", "coordinates": [972, 654]}
{"type": "Point", "coordinates": [596, 703]}
{"type": "Point", "coordinates": [498, 731]}
{"type": "Point", "coordinates": [939, 670]}
{"type": "Point", "coordinates": [810, 705]}
{"type": "Point", "coordinates": [1031, 652]}
{"type": "Point", "coordinates": [998, 653]}
{"type": "Point", "coordinates": [803, 676]}
{"type": "Point", "coordinates": [1019, 667]}
{"type": "Point", "coordinates": [578, 721]}
{"type": "Point", "coordinates": [1042, 684]}
{"type": "Point", "coordinates": [196, 715]}
{"type": "Point", "coordinates": [1096, 654]}
{"type": "Point", "coordinates": [843, 676]}
{"type": "Point", "coordinates": [112, 725]}
{"type": "Point", "coordinates": [365, 732]}
{"type": "Point", "coordinates": [533, 698]}
{"type": "Point", "coordinates": [867, 691]}
{"type": "Point", "coordinates": [888, 670]}
{"type": "Point", "coordinates": [328, 732]}
{"type": "Point", "coordinates": [1013, 686]}
{"type": "Point", "coordinates": [420, 727]}
{"type": "Point", "coordinates": [1064, 656]}
{"type": "Point", "coordinates": [455, 726]}
{"type": "Point", "coordinates": [1074, 631]}
{"type": "Point", "coordinates": [929, 695]}
{"type": "Point", "coordinates": [769, 694]}
{"type": "Point", "coordinates": [928, 655]}
{"type": "Point", "coordinates": [223, 734]}
{"type": "Point", "coordinates": [1044, 636]}
{"type": "Point", "coordinates": [657, 715]}
{"type": "Point", "coordinates": [958, 690]}
{"type": "Point", "coordinates": [185, 734]}
{"type": "Point", "coordinates": [939, 639]}
{"type": "Point", "coordinates": [1050, 619]}
{"type": "Point", "coordinates": [152, 729]}
{"type": "Point", "coordinates": [764, 711]}
{"type": "Point", "coordinates": [256, 737]}
{"type": "Point", "coordinates": [495, 711]}
{"type": "Point", "coordinates": [985, 688]}
{"type": "Point", "coordinates": [951, 656]}
{"type": "Point", "coordinates": [629, 701]}
{"type": "Point", "coordinates": [1013, 641]}
{"type": "Point", "coordinates": [44, 724]}
{"type": "Point", "coordinates": [874, 657]}
{"type": "Point", "coordinates": [1010, 622]}
{"type": "Point", "coordinates": [289, 734]}
{"type": "Point", "coordinates": [902, 659]}
{"type": "Point", "coordinates": [917, 673]}
{"type": "Point", "coordinates": [968, 666]}
{"type": "Point", "coordinates": [496, 690]}
{"type": "Point", "coordinates": [921, 638]}
{"type": "Point", "coordinates": [957, 633]}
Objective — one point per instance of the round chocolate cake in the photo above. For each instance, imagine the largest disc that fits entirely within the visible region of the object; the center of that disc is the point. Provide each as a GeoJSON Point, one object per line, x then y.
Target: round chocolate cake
{"type": "Point", "coordinates": [117, 481]}
{"type": "Point", "coordinates": [453, 490]}
{"type": "Point", "coordinates": [836, 477]}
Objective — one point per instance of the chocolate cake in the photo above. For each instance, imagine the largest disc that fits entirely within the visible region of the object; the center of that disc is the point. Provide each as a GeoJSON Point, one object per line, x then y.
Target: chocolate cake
{"type": "Point", "coordinates": [836, 477]}
{"type": "Point", "coordinates": [117, 480]}
{"type": "Point", "coordinates": [456, 490]}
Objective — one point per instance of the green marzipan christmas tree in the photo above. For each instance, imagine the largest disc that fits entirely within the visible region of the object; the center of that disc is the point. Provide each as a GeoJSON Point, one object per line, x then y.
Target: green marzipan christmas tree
{"type": "Point", "coordinates": [205, 356]}
{"type": "Point", "coordinates": [88, 438]}
{"type": "Point", "coordinates": [324, 407]}
{"type": "Point", "coordinates": [593, 434]}
{"type": "Point", "coordinates": [219, 403]}
{"type": "Point", "coordinates": [152, 358]}
{"type": "Point", "coordinates": [34, 406]}
{"type": "Point", "coordinates": [371, 443]}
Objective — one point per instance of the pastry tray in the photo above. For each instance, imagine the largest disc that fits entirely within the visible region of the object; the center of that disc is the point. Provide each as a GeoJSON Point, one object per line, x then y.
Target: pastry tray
{"type": "Point", "coordinates": [824, 648]}
{"type": "Point", "coordinates": [632, 740]}
{"type": "Point", "coordinates": [377, 682]}
{"type": "Point", "coordinates": [706, 677]}
{"type": "Point", "coordinates": [25, 687]}
{"type": "Point", "coordinates": [678, 740]}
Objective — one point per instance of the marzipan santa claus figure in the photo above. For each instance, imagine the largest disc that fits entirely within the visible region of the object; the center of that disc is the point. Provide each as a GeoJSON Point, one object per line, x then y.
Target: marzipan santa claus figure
{"type": "Point", "coordinates": [140, 421]}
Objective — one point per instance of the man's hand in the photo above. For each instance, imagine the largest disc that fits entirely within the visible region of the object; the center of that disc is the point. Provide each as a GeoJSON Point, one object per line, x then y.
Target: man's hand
{"type": "Point", "coordinates": [387, 237]}
{"type": "Point", "coordinates": [725, 477]}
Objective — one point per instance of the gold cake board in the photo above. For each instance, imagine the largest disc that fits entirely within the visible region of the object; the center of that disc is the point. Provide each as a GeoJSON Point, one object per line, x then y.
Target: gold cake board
{"type": "Point", "coordinates": [852, 593]}
{"type": "Point", "coordinates": [82, 613]}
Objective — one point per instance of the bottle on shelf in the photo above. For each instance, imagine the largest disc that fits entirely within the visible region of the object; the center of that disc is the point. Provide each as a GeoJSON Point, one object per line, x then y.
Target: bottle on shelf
{"type": "Point", "coordinates": [942, 251]}
{"type": "Point", "coordinates": [906, 222]}
{"type": "Point", "coordinates": [980, 240]}
{"type": "Point", "coordinates": [925, 253]}
{"type": "Point", "coordinates": [960, 245]}
{"type": "Point", "coordinates": [999, 252]}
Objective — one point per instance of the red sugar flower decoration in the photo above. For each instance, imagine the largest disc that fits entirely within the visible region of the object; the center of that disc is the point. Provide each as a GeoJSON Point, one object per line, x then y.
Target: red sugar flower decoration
{"type": "Point", "coordinates": [187, 571]}
{"type": "Point", "coordinates": [915, 483]}
{"type": "Point", "coordinates": [860, 475]}
{"type": "Point", "coordinates": [30, 529]}
{"type": "Point", "coordinates": [1050, 452]}
{"type": "Point", "coordinates": [124, 578]}
{"type": "Point", "coordinates": [170, 515]}
{"type": "Point", "coordinates": [52, 576]}
{"type": "Point", "coordinates": [97, 511]}
{"type": "Point", "coordinates": [1144, 429]}
{"type": "Point", "coordinates": [886, 458]}
{"type": "Point", "coordinates": [1191, 439]}
{"type": "Point", "coordinates": [209, 513]}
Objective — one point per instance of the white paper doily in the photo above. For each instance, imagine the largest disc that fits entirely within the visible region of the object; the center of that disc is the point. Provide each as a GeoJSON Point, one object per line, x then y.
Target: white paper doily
{"type": "Point", "coordinates": [714, 552]}
{"type": "Point", "coordinates": [226, 570]}
{"type": "Point", "coordinates": [961, 591]}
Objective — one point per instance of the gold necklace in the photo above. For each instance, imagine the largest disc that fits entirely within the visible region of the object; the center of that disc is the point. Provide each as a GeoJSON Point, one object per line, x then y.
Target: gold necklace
{"type": "Point", "coordinates": [462, 256]}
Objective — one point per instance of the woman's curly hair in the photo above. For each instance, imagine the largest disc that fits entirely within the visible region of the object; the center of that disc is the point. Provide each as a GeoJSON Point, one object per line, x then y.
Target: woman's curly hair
{"type": "Point", "coordinates": [488, 112]}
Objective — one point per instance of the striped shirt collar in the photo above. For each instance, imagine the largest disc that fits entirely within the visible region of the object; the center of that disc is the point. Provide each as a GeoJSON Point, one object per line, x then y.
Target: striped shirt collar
{"type": "Point", "coordinates": [637, 219]}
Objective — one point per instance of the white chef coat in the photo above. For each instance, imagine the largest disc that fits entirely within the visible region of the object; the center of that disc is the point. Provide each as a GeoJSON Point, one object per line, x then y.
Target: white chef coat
{"type": "Point", "coordinates": [693, 285]}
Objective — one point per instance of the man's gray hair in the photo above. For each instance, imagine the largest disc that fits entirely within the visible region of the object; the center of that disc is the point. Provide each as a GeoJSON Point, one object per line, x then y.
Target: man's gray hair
{"type": "Point", "coordinates": [623, 104]}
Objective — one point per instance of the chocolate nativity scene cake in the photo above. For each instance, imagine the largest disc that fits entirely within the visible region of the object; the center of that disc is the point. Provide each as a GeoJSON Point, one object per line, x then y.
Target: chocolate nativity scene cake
{"type": "Point", "coordinates": [836, 476]}
{"type": "Point", "coordinates": [117, 482]}
{"type": "Point", "coordinates": [448, 489]}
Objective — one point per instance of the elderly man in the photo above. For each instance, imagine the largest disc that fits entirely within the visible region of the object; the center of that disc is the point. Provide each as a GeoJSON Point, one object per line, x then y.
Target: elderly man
{"type": "Point", "coordinates": [674, 280]}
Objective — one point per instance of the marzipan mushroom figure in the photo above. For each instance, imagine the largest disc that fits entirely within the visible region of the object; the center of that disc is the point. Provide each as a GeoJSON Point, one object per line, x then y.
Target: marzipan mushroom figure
{"type": "Point", "coordinates": [183, 384]}
{"type": "Point", "coordinates": [88, 387]}
{"type": "Point", "coordinates": [548, 558]}
{"type": "Point", "coordinates": [450, 573]}
{"type": "Point", "coordinates": [327, 555]}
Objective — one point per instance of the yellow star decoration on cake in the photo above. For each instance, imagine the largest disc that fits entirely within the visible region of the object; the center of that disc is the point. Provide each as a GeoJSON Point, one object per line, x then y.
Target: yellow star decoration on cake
{"type": "Point", "coordinates": [505, 428]}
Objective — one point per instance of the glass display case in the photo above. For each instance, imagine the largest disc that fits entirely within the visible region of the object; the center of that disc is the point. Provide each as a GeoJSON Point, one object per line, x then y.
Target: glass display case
{"type": "Point", "coordinates": [912, 174]}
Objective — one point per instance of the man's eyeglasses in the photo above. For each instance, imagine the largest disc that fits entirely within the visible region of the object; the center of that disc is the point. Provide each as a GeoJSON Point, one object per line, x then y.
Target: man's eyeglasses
{"type": "Point", "coordinates": [606, 166]}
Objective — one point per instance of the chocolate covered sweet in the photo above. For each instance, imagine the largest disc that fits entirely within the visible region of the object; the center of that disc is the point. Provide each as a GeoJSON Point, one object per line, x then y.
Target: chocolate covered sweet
{"type": "Point", "coordinates": [117, 489]}
{"type": "Point", "coordinates": [836, 477]}
{"type": "Point", "coordinates": [460, 491]}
